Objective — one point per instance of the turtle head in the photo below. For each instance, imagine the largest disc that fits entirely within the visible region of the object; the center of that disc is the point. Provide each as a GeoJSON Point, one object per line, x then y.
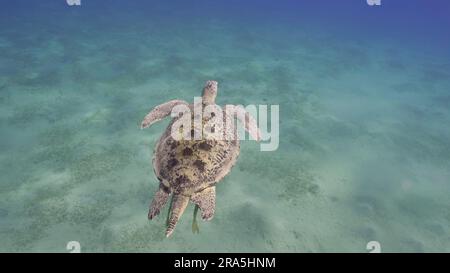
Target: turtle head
{"type": "Point", "coordinates": [210, 92]}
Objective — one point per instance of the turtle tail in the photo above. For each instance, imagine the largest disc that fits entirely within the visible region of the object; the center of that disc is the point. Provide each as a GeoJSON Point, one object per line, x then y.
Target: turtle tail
{"type": "Point", "coordinates": [179, 204]}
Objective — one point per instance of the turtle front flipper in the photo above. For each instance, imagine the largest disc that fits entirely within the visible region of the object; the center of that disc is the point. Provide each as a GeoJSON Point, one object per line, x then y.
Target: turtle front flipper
{"type": "Point", "coordinates": [179, 204]}
{"type": "Point", "coordinates": [206, 200]}
{"type": "Point", "coordinates": [158, 202]}
{"type": "Point", "coordinates": [161, 111]}
{"type": "Point", "coordinates": [249, 122]}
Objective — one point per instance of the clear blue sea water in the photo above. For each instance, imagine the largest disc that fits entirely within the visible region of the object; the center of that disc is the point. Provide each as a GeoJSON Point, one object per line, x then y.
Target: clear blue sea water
{"type": "Point", "coordinates": [364, 97]}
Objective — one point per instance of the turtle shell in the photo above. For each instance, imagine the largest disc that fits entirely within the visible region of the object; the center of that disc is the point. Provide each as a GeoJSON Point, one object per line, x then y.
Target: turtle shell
{"type": "Point", "coordinates": [187, 166]}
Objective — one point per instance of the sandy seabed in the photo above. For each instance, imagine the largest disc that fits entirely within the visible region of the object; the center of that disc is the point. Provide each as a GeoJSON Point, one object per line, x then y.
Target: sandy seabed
{"type": "Point", "coordinates": [364, 148]}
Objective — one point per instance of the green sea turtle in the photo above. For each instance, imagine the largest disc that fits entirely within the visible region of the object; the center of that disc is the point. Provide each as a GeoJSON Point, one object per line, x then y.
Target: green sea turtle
{"type": "Point", "coordinates": [190, 168]}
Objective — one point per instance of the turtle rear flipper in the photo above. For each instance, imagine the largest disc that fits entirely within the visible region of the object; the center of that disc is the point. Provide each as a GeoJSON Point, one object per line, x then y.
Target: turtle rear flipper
{"type": "Point", "coordinates": [158, 202]}
{"type": "Point", "coordinates": [206, 201]}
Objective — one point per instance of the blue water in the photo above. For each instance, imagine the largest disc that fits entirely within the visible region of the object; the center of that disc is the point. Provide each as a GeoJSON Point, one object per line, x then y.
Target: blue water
{"type": "Point", "coordinates": [364, 97]}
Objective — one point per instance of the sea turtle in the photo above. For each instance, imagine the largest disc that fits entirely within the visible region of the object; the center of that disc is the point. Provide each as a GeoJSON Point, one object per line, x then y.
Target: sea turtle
{"type": "Point", "coordinates": [190, 168]}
